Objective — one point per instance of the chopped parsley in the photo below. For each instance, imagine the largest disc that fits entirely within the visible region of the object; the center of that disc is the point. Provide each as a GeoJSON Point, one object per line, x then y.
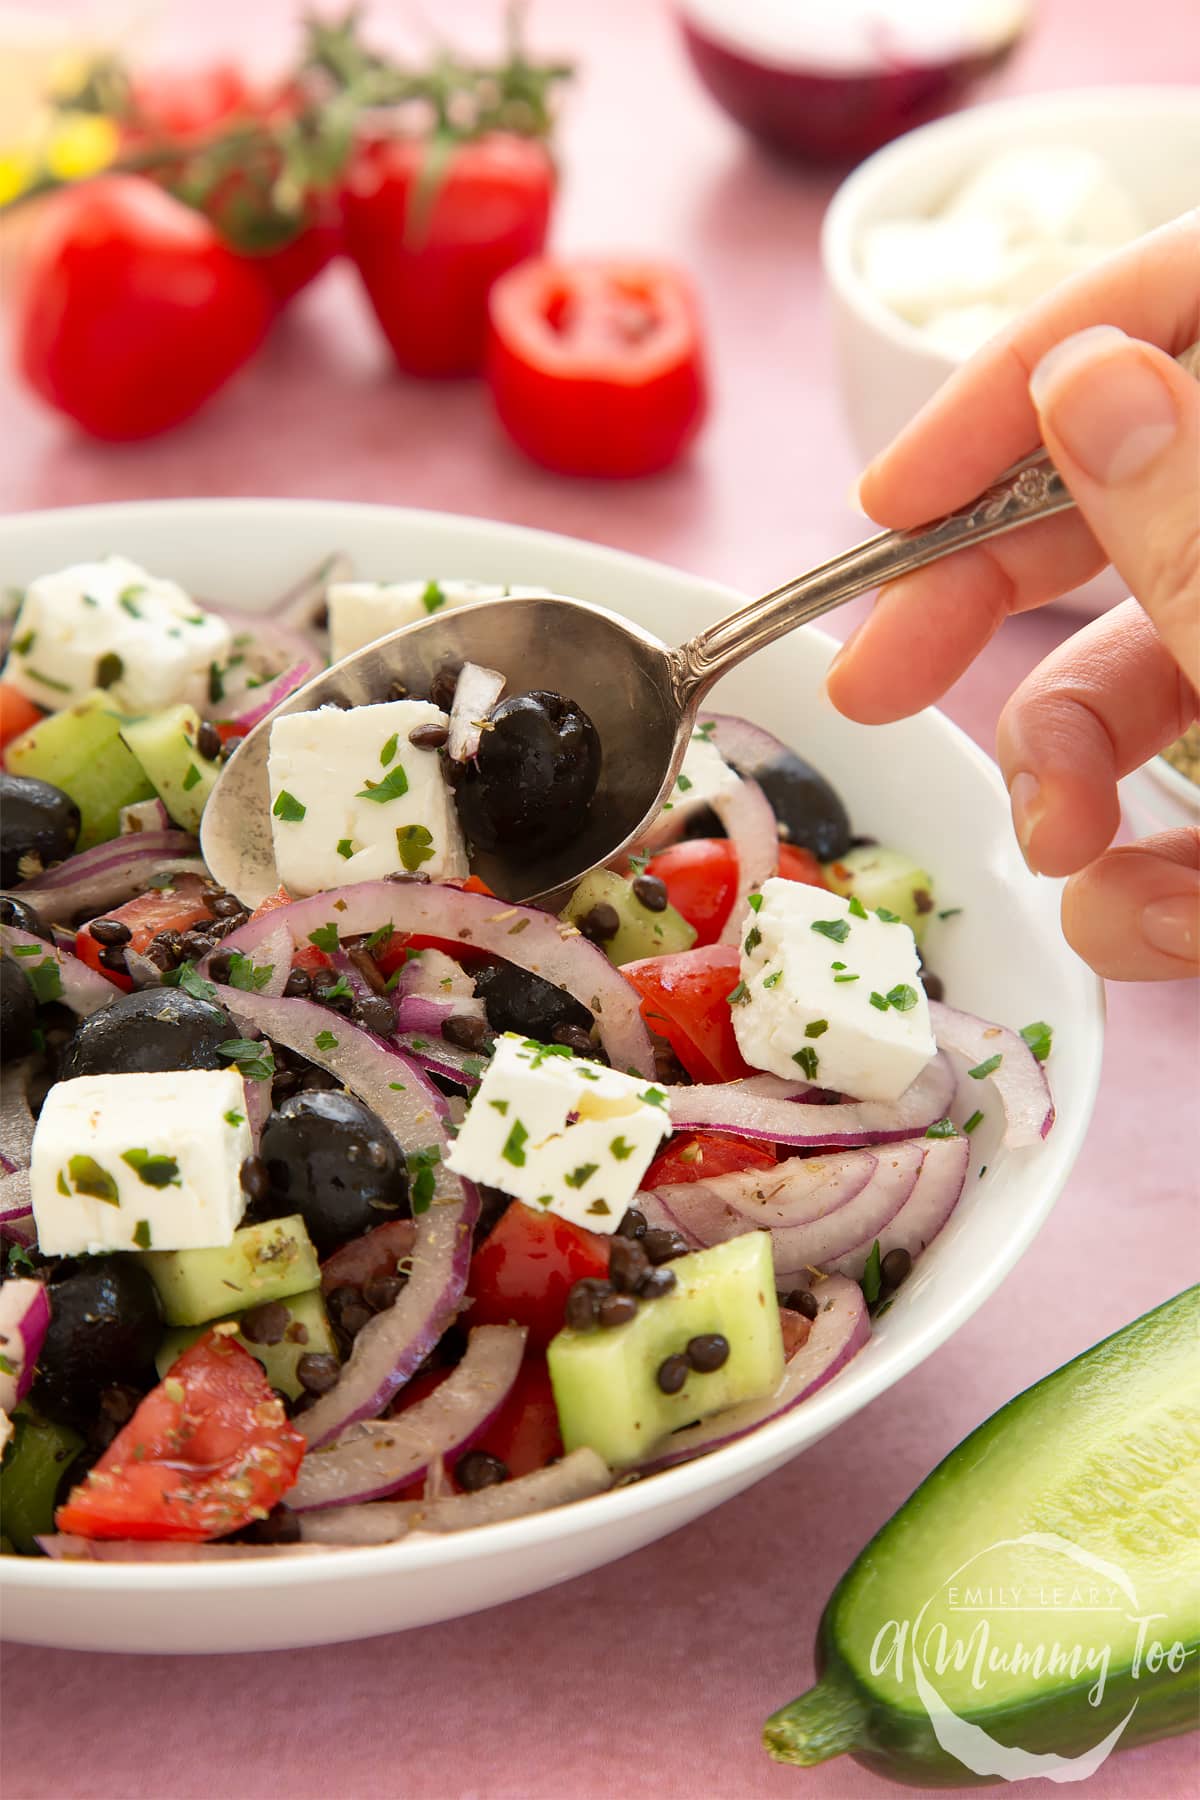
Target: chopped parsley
{"type": "Point", "coordinates": [704, 732]}
{"type": "Point", "coordinates": [234, 1118]}
{"type": "Point", "coordinates": [878, 1001]}
{"type": "Point", "coordinates": [345, 848]}
{"type": "Point", "coordinates": [754, 902]}
{"type": "Point", "coordinates": [243, 973]}
{"type": "Point", "coordinates": [942, 1128]}
{"type": "Point", "coordinates": [845, 977]}
{"type": "Point", "coordinates": [421, 1164]}
{"type": "Point", "coordinates": [433, 598]}
{"type": "Point", "coordinates": [378, 938]}
{"type": "Point", "coordinates": [393, 785]}
{"type": "Point", "coordinates": [188, 977]}
{"type": "Point", "coordinates": [773, 979]}
{"type": "Point", "coordinates": [325, 937]}
{"type": "Point", "coordinates": [683, 782]}
{"type": "Point", "coordinates": [836, 929]}
{"type": "Point", "coordinates": [808, 1060]}
{"type": "Point", "coordinates": [902, 997]}
{"type": "Point", "coordinates": [514, 1145]}
{"type": "Point", "coordinates": [872, 1276]}
{"type": "Point", "coordinates": [45, 978]}
{"type": "Point", "coordinates": [325, 1040]}
{"type": "Point", "coordinates": [287, 807]}
{"type": "Point", "coordinates": [621, 1150]}
{"type": "Point", "coordinates": [857, 909]}
{"type": "Point", "coordinates": [600, 1207]}
{"type": "Point", "coordinates": [216, 683]}
{"type": "Point", "coordinates": [889, 918]}
{"type": "Point", "coordinates": [90, 1178]}
{"type": "Point", "coordinates": [653, 1097]}
{"type": "Point", "coordinates": [975, 1119]}
{"type": "Point", "coordinates": [255, 1061]}
{"type": "Point", "coordinates": [60, 687]}
{"type": "Point", "coordinates": [1039, 1036]}
{"type": "Point", "coordinates": [738, 996]}
{"type": "Point", "coordinates": [24, 644]}
{"type": "Point", "coordinates": [127, 599]}
{"type": "Point", "coordinates": [155, 1170]}
{"type": "Point", "coordinates": [753, 940]}
{"type": "Point", "coordinates": [816, 1028]}
{"type": "Point", "coordinates": [191, 778]}
{"type": "Point", "coordinates": [950, 912]}
{"type": "Point", "coordinates": [582, 1174]}
{"type": "Point", "coordinates": [341, 990]}
{"type": "Point", "coordinates": [388, 753]}
{"type": "Point", "coordinates": [988, 1067]}
{"type": "Point", "coordinates": [415, 846]}
{"type": "Point", "coordinates": [141, 1234]}
{"type": "Point", "coordinates": [500, 1106]}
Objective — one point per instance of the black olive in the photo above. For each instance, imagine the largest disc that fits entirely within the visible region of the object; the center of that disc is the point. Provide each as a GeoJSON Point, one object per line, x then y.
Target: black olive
{"type": "Point", "coordinates": [533, 780]}
{"type": "Point", "coordinates": [37, 821]}
{"type": "Point", "coordinates": [18, 1012]}
{"type": "Point", "coordinates": [515, 1000]}
{"type": "Point", "coordinates": [156, 1028]}
{"type": "Point", "coordinates": [332, 1160]}
{"type": "Point", "coordinates": [18, 912]}
{"type": "Point", "coordinates": [809, 811]}
{"type": "Point", "coordinates": [105, 1325]}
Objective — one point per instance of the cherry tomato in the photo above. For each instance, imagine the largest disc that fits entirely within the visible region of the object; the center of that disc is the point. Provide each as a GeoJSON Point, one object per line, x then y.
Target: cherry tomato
{"type": "Point", "coordinates": [597, 368]}
{"type": "Point", "coordinates": [133, 312]}
{"type": "Point", "coordinates": [702, 877]}
{"type": "Point", "coordinates": [525, 1268]}
{"type": "Point", "coordinates": [429, 237]}
{"type": "Point", "coordinates": [208, 1450]}
{"type": "Point", "coordinates": [703, 1154]}
{"type": "Point", "coordinates": [187, 104]}
{"type": "Point", "coordinates": [685, 998]}
{"type": "Point", "coordinates": [524, 1433]}
{"type": "Point", "coordinates": [177, 908]}
{"type": "Point", "coordinates": [17, 713]}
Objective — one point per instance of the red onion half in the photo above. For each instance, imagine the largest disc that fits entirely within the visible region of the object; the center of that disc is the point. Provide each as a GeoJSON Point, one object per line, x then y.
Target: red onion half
{"type": "Point", "coordinates": [377, 1456]}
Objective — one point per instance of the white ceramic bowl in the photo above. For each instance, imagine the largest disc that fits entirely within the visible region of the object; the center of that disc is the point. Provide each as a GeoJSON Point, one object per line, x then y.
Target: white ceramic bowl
{"type": "Point", "coordinates": [920, 784]}
{"type": "Point", "coordinates": [1158, 797]}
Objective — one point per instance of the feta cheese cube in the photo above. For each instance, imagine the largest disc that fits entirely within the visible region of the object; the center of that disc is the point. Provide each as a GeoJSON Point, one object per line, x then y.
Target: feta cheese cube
{"type": "Point", "coordinates": [111, 625]}
{"type": "Point", "coordinates": [705, 775]}
{"type": "Point", "coordinates": [361, 611]}
{"type": "Point", "coordinates": [140, 1162]}
{"type": "Point", "coordinates": [561, 1133]}
{"type": "Point", "coordinates": [830, 992]}
{"type": "Point", "coordinates": [353, 799]}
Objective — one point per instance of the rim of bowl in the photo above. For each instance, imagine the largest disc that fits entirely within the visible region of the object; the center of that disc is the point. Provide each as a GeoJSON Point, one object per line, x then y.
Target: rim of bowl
{"type": "Point", "coordinates": [1156, 105]}
{"type": "Point", "coordinates": [1174, 781]}
{"type": "Point", "coordinates": [761, 1450]}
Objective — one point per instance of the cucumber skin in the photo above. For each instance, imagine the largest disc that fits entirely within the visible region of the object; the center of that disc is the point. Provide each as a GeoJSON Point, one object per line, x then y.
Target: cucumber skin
{"type": "Point", "coordinates": [847, 1717]}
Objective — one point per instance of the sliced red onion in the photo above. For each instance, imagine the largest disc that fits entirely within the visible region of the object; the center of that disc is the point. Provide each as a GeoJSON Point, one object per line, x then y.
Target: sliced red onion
{"type": "Point", "coordinates": [574, 1477]}
{"type": "Point", "coordinates": [417, 1012]}
{"type": "Point", "coordinates": [63, 1546]}
{"type": "Point", "coordinates": [742, 743]}
{"type": "Point", "coordinates": [766, 1108]}
{"type": "Point", "coordinates": [109, 873]}
{"type": "Point", "coordinates": [83, 990]}
{"type": "Point", "coordinates": [534, 940]}
{"type": "Point", "coordinates": [143, 815]}
{"type": "Point", "coordinates": [934, 1197]}
{"type": "Point", "coordinates": [275, 953]}
{"type": "Point", "coordinates": [258, 1107]}
{"type": "Point", "coordinates": [1019, 1078]}
{"type": "Point", "coordinates": [476, 692]}
{"type": "Point", "coordinates": [16, 1119]}
{"type": "Point", "coordinates": [24, 1316]}
{"type": "Point", "coordinates": [859, 1222]}
{"type": "Point", "coordinates": [394, 1343]}
{"type": "Point", "coordinates": [437, 1057]}
{"type": "Point", "coordinates": [795, 1193]}
{"type": "Point", "coordinates": [377, 1456]}
{"type": "Point", "coordinates": [142, 972]}
{"type": "Point", "coordinates": [839, 1331]}
{"type": "Point", "coordinates": [436, 976]}
{"type": "Point", "coordinates": [270, 660]}
{"type": "Point", "coordinates": [751, 828]}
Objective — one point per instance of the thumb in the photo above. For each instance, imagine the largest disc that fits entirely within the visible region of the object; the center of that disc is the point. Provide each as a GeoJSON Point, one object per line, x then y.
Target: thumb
{"type": "Point", "coordinates": [1121, 421]}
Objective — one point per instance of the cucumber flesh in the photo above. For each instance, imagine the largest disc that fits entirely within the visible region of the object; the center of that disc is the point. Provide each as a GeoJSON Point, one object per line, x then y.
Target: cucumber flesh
{"type": "Point", "coordinates": [80, 751]}
{"type": "Point", "coordinates": [877, 876]}
{"type": "Point", "coordinates": [640, 932]}
{"type": "Point", "coordinates": [307, 1333]}
{"type": "Point", "coordinates": [1102, 1457]}
{"type": "Point", "coordinates": [165, 746]}
{"type": "Point", "coordinates": [605, 1381]}
{"type": "Point", "coordinates": [264, 1262]}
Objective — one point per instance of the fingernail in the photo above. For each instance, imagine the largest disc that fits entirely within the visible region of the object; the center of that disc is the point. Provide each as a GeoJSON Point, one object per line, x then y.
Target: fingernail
{"type": "Point", "coordinates": [840, 654]}
{"type": "Point", "coordinates": [1102, 396]}
{"type": "Point", "coordinates": [1025, 795]}
{"type": "Point", "coordinates": [1173, 925]}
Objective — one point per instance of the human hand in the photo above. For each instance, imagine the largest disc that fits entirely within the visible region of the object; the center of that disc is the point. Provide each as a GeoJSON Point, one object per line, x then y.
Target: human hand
{"type": "Point", "coordinates": [1121, 421]}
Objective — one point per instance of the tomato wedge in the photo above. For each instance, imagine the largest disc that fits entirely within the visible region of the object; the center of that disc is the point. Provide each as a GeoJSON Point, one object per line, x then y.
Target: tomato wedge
{"type": "Point", "coordinates": [597, 368]}
{"type": "Point", "coordinates": [701, 875]}
{"type": "Point", "coordinates": [685, 998]}
{"type": "Point", "coordinates": [524, 1434]}
{"type": "Point", "coordinates": [526, 1267]}
{"type": "Point", "coordinates": [177, 908]}
{"type": "Point", "coordinates": [698, 1156]}
{"type": "Point", "coordinates": [17, 713]}
{"type": "Point", "coordinates": [208, 1450]}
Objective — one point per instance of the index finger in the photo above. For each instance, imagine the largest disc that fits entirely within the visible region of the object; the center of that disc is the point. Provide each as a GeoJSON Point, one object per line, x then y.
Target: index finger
{"type": "Point", "coordinates": [983, 419]}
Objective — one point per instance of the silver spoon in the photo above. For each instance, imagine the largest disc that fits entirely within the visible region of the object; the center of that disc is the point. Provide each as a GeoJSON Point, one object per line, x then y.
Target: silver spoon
{"type": "Point", "coordinates": [641, 695]}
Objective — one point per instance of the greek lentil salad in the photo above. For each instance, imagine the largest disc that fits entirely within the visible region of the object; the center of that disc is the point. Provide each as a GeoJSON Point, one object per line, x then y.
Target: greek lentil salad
{"type": "Point", "coordinates": [389, 1206]}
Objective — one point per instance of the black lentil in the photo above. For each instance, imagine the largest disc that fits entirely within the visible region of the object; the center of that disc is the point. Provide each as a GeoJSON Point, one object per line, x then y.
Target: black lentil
{"type": "Point", "coordinates": [255, 1178]}
{"type": "Point", "coordinates": [895, 1267]}
{"type": "Point", "coordinates": [583, 1303]}
{"type": "Point", "coordinates": [441, 688]}
{"type": "Point", "coordinates": [662, 1245]}
{"type": "Point", "coordinates": [196, 944]}
{"type": "Point", "coordinates": [317, 1373]}
{"type": "Point", "coordinates": [479, 1469]}
{"type": "Point", "coordinates": [633, 1224]}
{"type": "Point", "coordinates": [651, 891]}
{"type": "Point", "coordinates": [466, 1030]}
{"type": "Point", "coordinates": [429, 737]}
{"type": "Point", "coordinates": [672, 1373]}
{"type": "Point", "coordinates": [802, 1301]}
{"type": "Point", "coordinates": [627, 1263]}
{"type": "Point", "coordinates": [229, 746]}
{"type": "Point", "coordinates": [935, 987]}
{"type": "Point", "coordinates": [376, 1014]}
{"type": "Point", "coordinates": [266, 1324]}
{"type": "Point", "coordinates": [165, 949]}
{"type": "Point", "coordinates": [221, 966]}
{"type": "Point", "coordinates": [655, 1283]}
{"type": "Point", "coordinates": [113, 957]}
{"type": "Point", "coordinates": [226, 906]}
{"type": "Point", "coordinates": [348, 1310]}
{"type": "Point", "coordinates": [707, 1352]}
{"type": "Point", "coordinates": [297, 985]}
{"type": "Point", "coordinates": [208, 740]}
{"type": "Point", "coordinates": [601, 923]}
{"type": "Point", "coordinates": [576, 1039]}
{"type": "Point", "coordinates": [297, 1332]}
{"type": "Point", "coordinates": [616, 1309]}
{"type": "Point", "coordinates": [110, 931]}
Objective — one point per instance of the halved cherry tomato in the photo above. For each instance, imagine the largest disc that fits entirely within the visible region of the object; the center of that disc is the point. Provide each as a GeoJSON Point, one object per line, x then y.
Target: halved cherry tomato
{"type": "Point", "coordinates": [702, 877]}
{"type": "Point", "coordinates": [208, 1450]}
{"type": "Point", "coordinates": [429, 237]}
{"type": "Point", "coordinates": [597, 368]}
{"type": "Point", "coordinates": [685, 998]}
{"type": "Point", "coordinates": [526, 1267]}
{"type": "Point", "coordinates": [177, 908]}
{"type": "Point", "coordinates": [524, 1433]}
{"type": "Point", "coordinates": [700, 1155]}
{"type": "Point", "coordinates": [17, 713]}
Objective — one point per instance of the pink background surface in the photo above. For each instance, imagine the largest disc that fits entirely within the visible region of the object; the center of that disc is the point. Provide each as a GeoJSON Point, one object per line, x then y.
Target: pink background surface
{"type": "Point", "coordinates": [653, 1676]}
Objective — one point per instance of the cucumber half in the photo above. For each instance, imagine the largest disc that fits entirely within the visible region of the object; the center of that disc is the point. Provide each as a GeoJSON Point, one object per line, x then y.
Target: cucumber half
{"type": "Point", "coordinates": [1065, 1529]}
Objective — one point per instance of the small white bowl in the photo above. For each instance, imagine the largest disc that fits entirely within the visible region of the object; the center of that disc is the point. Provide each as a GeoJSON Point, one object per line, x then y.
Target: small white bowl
{"type": "Point", "coordinates": [921, 783]}
{"type": "Point", "coordinates": [1158, 797]}
{"type": "Point", "coordinates": [1148, 136]}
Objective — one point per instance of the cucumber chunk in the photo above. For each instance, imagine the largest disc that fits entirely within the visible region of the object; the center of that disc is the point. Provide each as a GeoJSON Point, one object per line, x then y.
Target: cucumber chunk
{"type": "Point", "coordinates": [81, 752]}
{"type": "Point", "coordinates": [165, 746]}
{"type": "Point", "coordinates": [878, 877]}
{"type": "Point", "coordinates": [640, 932]}
{"type": "Point", "coordinates": [264, 1262]}
{"type": "Point", "coordinates": [1102, 1457]}
{"type": "Point", "coordinates": [308, 1333]}
{"type": "Point", "coordinates": [606, 1381]}
{"type": "Point", "coordinates": [36, 1464]}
